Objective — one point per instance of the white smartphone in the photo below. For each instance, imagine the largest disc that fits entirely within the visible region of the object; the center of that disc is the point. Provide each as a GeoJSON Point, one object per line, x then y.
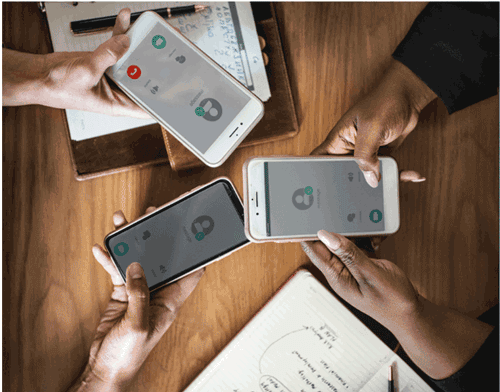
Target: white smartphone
{"type": "Point", "coordinates": [189, 94]}
{"type": "Point", "coordinates": [291, 199]}
{"type": "Point", "coordinates": [188, 233]}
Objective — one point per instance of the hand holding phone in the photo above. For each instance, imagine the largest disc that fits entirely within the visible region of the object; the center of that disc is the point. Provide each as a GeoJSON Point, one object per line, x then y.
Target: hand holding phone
{"type": "Point", "coordinates": [133, 322]}
{"type": "Point", "coordinates": [76, 79]}
{"type": "Point", "coordinates": [292, 198]}
{"type": "Point", "coordinates": [384, 117]}
{"type": "Point", "coordinates": [189, 94]}
{"type": "Point", "coordinates": [389, 297]}
{"type": "Point", "coordinates": [182, 236]}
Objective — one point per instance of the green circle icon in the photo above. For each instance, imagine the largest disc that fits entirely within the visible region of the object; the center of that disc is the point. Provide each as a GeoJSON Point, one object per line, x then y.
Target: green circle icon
{"type": "Point", "coordinates": [121, 249]}
{"type": "Point", "coordinates": [375, 216]}
{"type": "Point", "coordinates": [199, 111]}
{"type": "Point", "coordinates": [159, 41]}
{"type": "Point", "coordinates": [308, 190]}
{"type": "Point", "coordinates": [199, 236]}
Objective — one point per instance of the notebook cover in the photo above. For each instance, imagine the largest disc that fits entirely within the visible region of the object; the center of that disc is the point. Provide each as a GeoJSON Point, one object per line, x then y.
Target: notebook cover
{"type": "Point", "coordinates": [279, 121]}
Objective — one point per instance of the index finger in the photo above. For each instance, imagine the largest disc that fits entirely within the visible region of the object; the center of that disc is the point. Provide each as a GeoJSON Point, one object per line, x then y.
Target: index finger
{"type": "Point", "coordinates": [103, 258]}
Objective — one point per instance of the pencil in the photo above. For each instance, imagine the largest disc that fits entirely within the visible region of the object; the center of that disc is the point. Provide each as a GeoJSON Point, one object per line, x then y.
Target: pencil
{"type": "Point", "coordinates": [390, 380]}
{"type": "Point", "coordinates": [93, 25]}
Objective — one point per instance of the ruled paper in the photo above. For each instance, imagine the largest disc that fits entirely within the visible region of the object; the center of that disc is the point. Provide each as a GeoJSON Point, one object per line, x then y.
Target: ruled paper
{"type": "Point", "coordinates": [303, 340]}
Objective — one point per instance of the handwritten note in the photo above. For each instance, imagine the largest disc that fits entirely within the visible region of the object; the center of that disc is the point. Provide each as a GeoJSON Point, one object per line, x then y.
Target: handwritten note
{"type": "Point", "coordinates": [304, 340]}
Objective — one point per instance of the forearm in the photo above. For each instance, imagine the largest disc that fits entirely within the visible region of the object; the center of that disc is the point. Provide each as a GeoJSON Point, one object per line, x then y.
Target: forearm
{"type": "Point", "coordinates": [440, 341]}
{"type": "Point", "coordinates": [399, 78]}
{"type": "Point", "coordinates": [23, 75]}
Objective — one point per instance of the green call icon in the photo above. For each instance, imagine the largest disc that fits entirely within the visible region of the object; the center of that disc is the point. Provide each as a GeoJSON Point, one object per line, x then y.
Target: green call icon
{"type": "Point", "coordinates": [199, 111]}
{"type": "Point", "coordinates": [308, 190]}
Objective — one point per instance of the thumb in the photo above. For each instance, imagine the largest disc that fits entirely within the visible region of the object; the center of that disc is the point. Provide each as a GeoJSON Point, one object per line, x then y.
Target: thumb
{"type": "Point", "coordinates": [365, 153]}
{"type": "Point", "coordinates": [138, 297]}
{"type": "Point", "coordinates": [348, 253]}
{"type": "Point", "coordinates": [108, 53]}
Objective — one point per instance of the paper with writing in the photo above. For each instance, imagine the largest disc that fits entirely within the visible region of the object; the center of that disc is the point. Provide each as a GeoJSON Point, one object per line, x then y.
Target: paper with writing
{"type": "Point", "coordinates": [304, 339]}
{"type": "Point", "coordinates": [212, 30]}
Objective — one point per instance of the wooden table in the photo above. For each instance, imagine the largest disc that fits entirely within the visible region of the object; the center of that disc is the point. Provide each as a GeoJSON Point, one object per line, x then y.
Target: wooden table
{"type": "Point", "coordinates": [54, 291]}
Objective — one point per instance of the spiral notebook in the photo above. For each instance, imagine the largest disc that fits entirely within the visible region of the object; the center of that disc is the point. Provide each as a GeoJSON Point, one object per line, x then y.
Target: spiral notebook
{"type": "Point", "coordinates": [304, 339]}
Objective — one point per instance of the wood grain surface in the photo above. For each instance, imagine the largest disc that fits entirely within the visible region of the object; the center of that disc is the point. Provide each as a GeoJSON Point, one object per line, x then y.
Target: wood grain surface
{"type": "Point", "coordinates": [54, 291]}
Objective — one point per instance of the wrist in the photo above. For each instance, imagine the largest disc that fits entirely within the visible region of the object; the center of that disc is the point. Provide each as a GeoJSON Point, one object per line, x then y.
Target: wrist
{"type": "Point", "coordinates": [441, 340]}
{"type": "Point", "coordinates": [23, 78]}
{"type": "Point", "coordinates": [417, 92]}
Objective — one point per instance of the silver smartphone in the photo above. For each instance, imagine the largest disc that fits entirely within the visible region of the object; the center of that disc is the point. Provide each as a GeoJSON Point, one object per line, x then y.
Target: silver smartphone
{"type": "Point", "coordinates": [189, 94]}
{"type": "Point", "coordinates": [182, 236]}
{"type": "Point", "coordinates": [292, 198]}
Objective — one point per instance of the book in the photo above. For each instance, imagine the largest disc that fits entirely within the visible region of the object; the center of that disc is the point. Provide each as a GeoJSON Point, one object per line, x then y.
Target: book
{"type": "Point", "coordinates": [305, 339]}
{"type": "Point", "coordinates": [226, 32]}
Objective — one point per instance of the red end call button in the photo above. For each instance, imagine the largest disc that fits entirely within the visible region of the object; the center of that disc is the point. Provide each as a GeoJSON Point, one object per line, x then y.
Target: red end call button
{"type": "Point", "coordinates": [134, 72]}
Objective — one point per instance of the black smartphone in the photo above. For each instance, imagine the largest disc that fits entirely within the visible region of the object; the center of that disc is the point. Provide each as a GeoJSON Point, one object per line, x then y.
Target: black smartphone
{"type": "Point", "coordinates": [188, 233]}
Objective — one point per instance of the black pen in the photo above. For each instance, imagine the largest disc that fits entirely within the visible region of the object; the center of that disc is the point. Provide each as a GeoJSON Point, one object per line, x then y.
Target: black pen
{"type": "Point", "coordinates": [390, 380]}
{"type": "Point", "coordinates": [88, 26]}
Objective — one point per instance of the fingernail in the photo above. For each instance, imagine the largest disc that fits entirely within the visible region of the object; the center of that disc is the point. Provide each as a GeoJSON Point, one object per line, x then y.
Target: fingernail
{"type": "Point", "coordinates": [329, 239]}
{"type": "Point", "coordinates": [136, 271]}
{"type": "Point", "coordinates": [371, 178]}
{"type": "Point", "coordinates": [419, 180]}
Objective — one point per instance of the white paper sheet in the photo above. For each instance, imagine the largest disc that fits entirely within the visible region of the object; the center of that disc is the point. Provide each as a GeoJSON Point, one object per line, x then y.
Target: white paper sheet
{"type": "Point", "coordinates": [305, 340]}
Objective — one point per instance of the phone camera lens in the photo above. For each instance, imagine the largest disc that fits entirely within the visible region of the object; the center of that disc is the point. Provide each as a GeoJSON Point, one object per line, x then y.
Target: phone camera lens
{"type": "Point", "coordinates": [241, 123]}
{"type": "Point", "coordinates": [257, 213]}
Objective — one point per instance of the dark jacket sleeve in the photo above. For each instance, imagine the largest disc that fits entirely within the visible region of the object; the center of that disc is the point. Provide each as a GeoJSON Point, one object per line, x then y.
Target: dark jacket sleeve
{"type": "Point", "coordinates": [453, 48]}
{"type": "Point", "coordinates": [480, 373]}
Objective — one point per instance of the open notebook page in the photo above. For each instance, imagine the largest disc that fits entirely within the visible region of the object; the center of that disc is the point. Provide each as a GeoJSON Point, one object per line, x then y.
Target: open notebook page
{"type": "Point", "coordinates": [212, 30]}
{"type": "Point", "coordinates": [304, 339]}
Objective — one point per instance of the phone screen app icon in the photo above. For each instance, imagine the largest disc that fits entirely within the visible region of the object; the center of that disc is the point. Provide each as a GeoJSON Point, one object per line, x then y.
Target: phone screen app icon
{"type": "Point", "coordinates": [121, 249]}
{"type": "Point", "coordinates": [134, 72]}
{"type": "Point", "coordinates": [159, 41]}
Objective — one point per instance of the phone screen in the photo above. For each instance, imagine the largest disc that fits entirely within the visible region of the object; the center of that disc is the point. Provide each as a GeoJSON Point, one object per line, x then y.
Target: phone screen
{"type": "Point", "coordinates": [304, 197]}
{"type": "Point", "coordinates": [181, 87]}
{"type": "Point", "coordinates": [182, 236]}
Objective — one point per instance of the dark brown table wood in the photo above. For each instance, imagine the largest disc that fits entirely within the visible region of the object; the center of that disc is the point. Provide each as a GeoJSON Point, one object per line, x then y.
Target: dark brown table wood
{"type": "Point", "coordinates": [54, 291]}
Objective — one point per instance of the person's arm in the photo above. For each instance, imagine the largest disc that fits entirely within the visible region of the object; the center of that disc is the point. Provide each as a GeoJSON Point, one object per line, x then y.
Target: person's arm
{"type": "Point", "coordinates": [453, 48]}
{"type": "Point", "coordinates": [439, 340]}
{"type": "Point", "coordinates": [22, 75]}
{"type": "Point", "coordinates": [70, 80]}
{"type": "Point", "coordinates": [451, 51]}
{"type": "Point", "coordinates": [132, 324]}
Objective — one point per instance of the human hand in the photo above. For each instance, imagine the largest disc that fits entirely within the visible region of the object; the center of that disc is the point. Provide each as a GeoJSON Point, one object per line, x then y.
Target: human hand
{"type": "Point", "coordinates": [75, 80]}
{"type": "Point", "coordinates": [376, 287]}
{"type": "Point", "coordinates": [132, 323]}
{"type": "Point", "coordinates": [384, 117]}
